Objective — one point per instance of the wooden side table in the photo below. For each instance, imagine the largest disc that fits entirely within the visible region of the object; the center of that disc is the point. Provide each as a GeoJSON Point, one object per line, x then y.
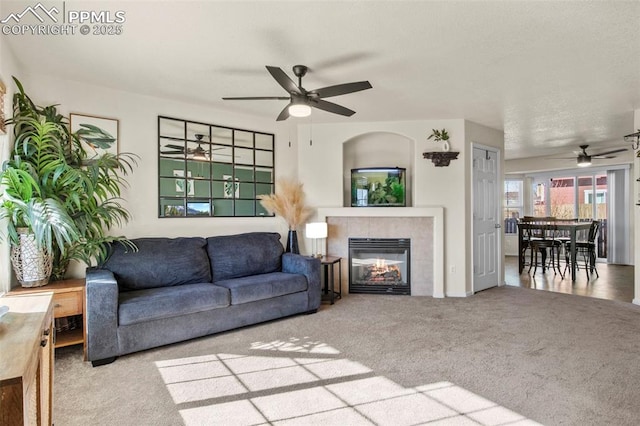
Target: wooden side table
{"type": "Point", "coordinates": [68, 300]}
{"type": "Point", "coordinates": [328, 265]}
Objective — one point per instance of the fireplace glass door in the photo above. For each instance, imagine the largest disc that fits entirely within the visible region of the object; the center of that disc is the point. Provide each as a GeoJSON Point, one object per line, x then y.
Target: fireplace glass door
{"type": "Point", "coordinates": [380, 265]}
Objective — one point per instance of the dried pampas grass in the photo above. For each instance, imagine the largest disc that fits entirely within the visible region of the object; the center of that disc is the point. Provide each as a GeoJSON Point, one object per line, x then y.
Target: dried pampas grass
{"type": "Point", "coordinates": [288, 203]}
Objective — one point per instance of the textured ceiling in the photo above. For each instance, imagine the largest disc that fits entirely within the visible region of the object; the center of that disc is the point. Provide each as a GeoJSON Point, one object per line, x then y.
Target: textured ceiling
{"type": "Point", "coordinates": [552, 75]}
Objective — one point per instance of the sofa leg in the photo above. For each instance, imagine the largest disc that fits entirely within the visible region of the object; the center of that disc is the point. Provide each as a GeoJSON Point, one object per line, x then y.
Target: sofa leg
{"type": "Point", "coordinates": [99, 362]}
{"type": "Point", "coordinates": [311, 312]}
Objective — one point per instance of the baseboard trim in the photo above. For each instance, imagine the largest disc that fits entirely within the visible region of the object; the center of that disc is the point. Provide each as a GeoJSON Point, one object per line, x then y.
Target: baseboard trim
{"type": "Point", "coordinates": [465, 294]}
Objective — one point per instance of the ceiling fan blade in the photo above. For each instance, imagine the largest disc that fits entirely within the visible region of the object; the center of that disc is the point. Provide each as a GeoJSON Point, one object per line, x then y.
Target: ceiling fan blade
{"type": "Point", "coordinates": [331, 107]}
{"type": "Point", "coordinates": [283, 80]}
{"type": "Point", "coordinates": [257, 98]}
{"type": "Point", "coordinates": [605, 154]}
{"type": "Point", "coordinates": [284, 114]}
{"type": "Point", "coordinates": [172, 152]}
{"type": "Point", "coordinates": [178, 147]}
{"type": "Point", "coordinates": [341, 89]}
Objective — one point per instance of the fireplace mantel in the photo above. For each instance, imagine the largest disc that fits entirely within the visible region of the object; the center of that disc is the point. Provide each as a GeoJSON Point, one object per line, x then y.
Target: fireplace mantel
{"type": "Point", "coordinates": [436, 213]}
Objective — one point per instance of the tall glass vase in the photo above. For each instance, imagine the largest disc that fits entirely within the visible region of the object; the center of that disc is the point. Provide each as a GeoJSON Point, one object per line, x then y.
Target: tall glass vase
{"type": "Point", "coordinates": [292, 242]}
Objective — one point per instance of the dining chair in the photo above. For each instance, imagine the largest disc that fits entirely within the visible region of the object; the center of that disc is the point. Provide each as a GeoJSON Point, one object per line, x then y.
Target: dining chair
{"type": "Point", "coordinates": [543, 238]}
{"type": "Point", "coordinates": [527, 234]}
{"type": "Point", "coordinates": [564, 236]}
{"type": "Point", "coordinates": [531, 231]}
{"type": "Point", "coordinates": [587, 248]}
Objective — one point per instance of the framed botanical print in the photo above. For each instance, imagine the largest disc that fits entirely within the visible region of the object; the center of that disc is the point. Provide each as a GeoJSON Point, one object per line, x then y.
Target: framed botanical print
{"type": "Point", "coordinates": [180, 183]}
{"type": "Point", "coordinates": [97, 134]}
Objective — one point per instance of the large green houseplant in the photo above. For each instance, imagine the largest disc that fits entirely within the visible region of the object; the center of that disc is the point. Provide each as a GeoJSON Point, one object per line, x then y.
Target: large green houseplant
{"type": "Point", "coordinates": [34, 224]}
{"type": "Point", "coordinates": [85, 192]}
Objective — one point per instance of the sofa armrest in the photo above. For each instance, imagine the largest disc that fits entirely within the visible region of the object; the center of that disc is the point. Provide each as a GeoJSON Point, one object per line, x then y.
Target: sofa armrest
{"type": "Point", "coordinates": [309, 267]}
{"type": "Point", "coordinates": [101, 314]}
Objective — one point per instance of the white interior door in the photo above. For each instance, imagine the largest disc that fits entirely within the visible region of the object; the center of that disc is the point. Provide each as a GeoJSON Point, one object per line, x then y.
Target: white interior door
{"type": "Point", "coordinates": [486, 222]}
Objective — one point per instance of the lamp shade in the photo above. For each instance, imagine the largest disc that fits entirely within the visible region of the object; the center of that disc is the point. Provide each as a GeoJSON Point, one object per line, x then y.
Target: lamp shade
{"type": "Point", "coordinates": [316, 230]}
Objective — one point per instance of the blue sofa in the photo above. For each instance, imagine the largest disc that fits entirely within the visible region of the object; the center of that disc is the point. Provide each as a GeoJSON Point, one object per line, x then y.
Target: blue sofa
{"type": "Point", "coordinates": [174, 289]}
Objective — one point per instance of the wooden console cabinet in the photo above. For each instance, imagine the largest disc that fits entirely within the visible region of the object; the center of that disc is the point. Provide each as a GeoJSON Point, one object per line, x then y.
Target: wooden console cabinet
{"type": "Point", "coordinates": [26, 360]}
{"type": "Point", "coordinates": [68, 300]}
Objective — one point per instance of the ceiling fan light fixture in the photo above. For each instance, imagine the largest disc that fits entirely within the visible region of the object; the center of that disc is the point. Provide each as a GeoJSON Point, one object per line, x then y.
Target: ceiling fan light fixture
{"type": "Point", "coordinates": [584, 161]}
{"type": "Point", "coordinates": [201, 157]}
{"type": "Point", "coordinates": [299, 110]}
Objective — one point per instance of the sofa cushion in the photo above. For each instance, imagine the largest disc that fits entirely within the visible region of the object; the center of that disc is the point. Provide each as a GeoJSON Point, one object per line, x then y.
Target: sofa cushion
{"type": "Point", "coordinates": [166, 302]}
{"type": "Point", "coordinates": [160, 262]}
{"type": "Point", "coordinates": [264, 286]}
{"type": "Point", "coordinates": [242, 255]}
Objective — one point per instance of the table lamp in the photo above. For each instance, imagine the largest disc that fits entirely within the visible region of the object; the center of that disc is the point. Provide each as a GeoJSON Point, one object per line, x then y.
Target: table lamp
{"type": "Point", "coordinates": [316, 231]}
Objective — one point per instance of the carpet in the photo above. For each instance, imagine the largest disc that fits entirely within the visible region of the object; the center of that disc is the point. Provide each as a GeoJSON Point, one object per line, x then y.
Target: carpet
{"type": "Point", "coordinates": [507, 355]}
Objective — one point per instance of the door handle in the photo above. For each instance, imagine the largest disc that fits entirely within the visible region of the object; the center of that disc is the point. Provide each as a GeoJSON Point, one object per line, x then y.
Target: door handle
{"type": "Point", "coordinates": [497, 225]}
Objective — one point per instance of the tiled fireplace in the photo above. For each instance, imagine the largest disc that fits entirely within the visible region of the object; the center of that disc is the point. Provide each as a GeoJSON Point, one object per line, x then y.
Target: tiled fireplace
{"type": "Point", "coordinates": [421, 225]}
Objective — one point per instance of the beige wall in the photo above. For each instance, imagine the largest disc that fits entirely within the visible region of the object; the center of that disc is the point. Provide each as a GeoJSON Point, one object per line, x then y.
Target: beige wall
{"type": "Point", "coordinates": [320, 169]}
{"type": "Point", "coordinates": [138, 117]}
{"type": "Point", "coordinates": [318, 165]}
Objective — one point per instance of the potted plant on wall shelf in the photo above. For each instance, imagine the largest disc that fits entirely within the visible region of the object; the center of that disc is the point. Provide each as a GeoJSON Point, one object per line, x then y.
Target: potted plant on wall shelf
{"type": "Point", "coordinates": [441, 136]}
{"type": "Point", "coordinates": [288, 203]}
{"type": "Point", "coordinates": [441, 158]}
{"type": "Point", "coordinates": [86, 191]}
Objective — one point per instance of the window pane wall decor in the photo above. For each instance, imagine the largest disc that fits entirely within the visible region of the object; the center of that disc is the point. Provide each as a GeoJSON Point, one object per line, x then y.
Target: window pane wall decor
{"type": "Point", "coordinates": [210, 170]}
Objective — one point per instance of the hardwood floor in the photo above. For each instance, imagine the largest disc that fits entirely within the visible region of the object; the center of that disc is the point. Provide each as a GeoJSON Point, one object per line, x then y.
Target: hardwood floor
{"type": "Point", "coordinates": [615, 281]}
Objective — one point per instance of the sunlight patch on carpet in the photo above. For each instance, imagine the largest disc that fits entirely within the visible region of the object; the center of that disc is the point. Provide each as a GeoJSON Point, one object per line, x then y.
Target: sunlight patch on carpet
{"type": "Point", "coordinates": [223, 375]}
{"type": "Point", "coordinates": [231, 389]}
{"type": "Point", "coordinates": [295, 344]}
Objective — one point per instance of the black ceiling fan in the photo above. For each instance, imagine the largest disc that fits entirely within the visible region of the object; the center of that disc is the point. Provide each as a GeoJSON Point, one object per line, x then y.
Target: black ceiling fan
{"type": "Point", "coordinates": [584, 158]}
{"type": "Point", "coordinates": [198, 153]}
{"type": "Point", "coordinates": [301, 100]}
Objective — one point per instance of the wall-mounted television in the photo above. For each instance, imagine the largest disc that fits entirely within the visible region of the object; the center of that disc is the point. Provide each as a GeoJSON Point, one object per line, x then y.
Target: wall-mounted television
{"type": "Point", "coordinates": [378, 187]}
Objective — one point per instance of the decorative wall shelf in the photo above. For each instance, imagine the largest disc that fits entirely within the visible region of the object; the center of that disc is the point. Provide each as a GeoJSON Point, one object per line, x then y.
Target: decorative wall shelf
{"type": "Point", "coordinates": [441, 158]}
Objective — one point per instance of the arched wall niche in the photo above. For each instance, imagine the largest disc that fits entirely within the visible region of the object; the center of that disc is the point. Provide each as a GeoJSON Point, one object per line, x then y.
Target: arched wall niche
{"type": "Point", "coordinates": [377, 149]}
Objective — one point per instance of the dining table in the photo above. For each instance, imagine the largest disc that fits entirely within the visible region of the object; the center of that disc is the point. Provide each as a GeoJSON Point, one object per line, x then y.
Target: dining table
{"type": "Point", "coordinates": [571, 227]}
